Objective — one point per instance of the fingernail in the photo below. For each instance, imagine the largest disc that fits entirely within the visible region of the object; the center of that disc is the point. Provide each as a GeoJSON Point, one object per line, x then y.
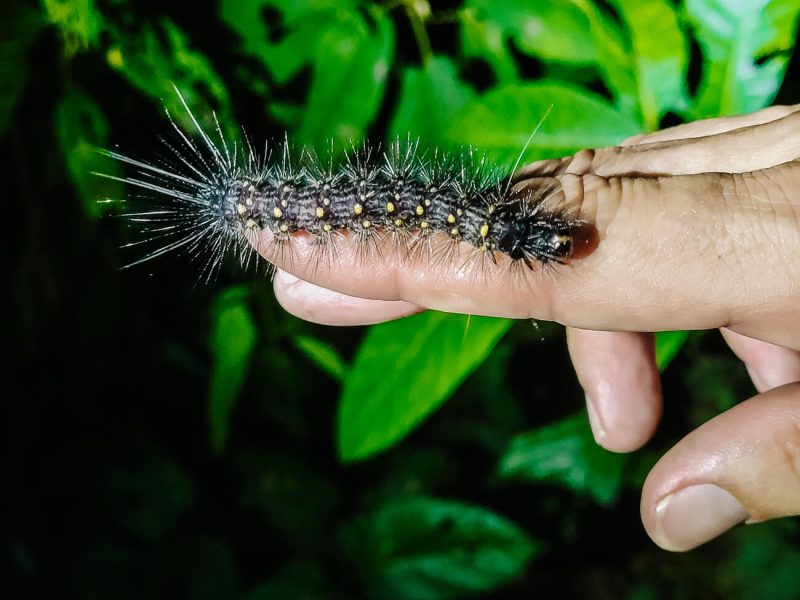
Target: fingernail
{"type": "Point", "coordinates": [758, 381]}
{"type": "Point", "coordinates": [695, 515]}
{"type": "Point", "coordinates": [598, 430]}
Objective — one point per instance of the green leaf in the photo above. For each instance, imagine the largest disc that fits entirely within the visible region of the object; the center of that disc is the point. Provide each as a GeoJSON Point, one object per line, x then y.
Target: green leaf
{"type": "Point", "coordinates": [349, 51]}
{"type": "Point", "coordinates": [565, 453]}
{"type": "Point", "coordinates": [82, 128]}
{"type": "Point", "coordinates": [403, 371]}
{"type": "Point", "coordinates": [549, 29]}
{"type": "Point", "coordinates": [348, 81]}
{"type": "Point", "coordinates": [79, 21]}
{"type": "Point", "coordinates": [746, 47]}
{"type": "Point", "coordinates": [155, 61]}
{"type": "Point", "coordinates": [19, 26]}
{"type": "Point", "coordinates": [613, 57]}
{"type": "Point", "coordinates": [232, 339]}
{"type": "Point", "coordinates": [427, 548]}
{"type": "Point", "coordinates": [501, 121]}
{"type": "Point", "coordinates": [323, 355]}
{"type": "Point", "coordinates": [668, 344]}
{"type": "Point", "coordinates": [284, 36]}
{"type": "Point", "coordinates": [659, 58]}
{"type": "Point", "coordinates": [429, 96]}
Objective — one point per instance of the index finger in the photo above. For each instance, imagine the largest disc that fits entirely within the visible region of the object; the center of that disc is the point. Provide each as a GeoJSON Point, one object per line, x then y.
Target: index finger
{"type": "Point", "coordinates": [675, 252]}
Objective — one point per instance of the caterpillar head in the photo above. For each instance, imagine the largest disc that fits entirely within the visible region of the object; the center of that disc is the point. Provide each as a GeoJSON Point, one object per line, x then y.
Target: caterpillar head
{"type": "Point", "coordinates": [537, 238]}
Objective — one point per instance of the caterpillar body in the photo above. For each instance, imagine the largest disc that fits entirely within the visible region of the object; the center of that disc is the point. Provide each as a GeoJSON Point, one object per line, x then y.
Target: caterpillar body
{"type": "Point", "coordinates": [218, 197]}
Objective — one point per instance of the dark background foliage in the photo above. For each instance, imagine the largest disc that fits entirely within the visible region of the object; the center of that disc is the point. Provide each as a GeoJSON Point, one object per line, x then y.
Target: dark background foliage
{"type": "Point", "coordinates": [169, 439]}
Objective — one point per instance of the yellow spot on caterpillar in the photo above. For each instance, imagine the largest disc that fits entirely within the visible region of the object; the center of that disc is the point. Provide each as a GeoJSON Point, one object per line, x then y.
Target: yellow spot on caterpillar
{"type": "Point", "coordinates": [398, 222]}
{"type": "Point", "coordinates": [320, 212]}
{"type": "Point", "coordinates": [455, 232]}
{"type": "Point", "coordinates": [459, 212]}
{"type": "Point", "coordinates": [484, 248]}
{"type": "Point", "coordinates": [492, 208]}
{"type": "Point", "coordinates": [390, 207]}
{"type": "Point", "coordinates": [420, 210]}
{"type": "Point", "coordinates": [451, 218]}
{"type": "Point", "coordinates": [327, 227]}
{"type": "Point", "coordinates": [427, 202]}
{"type": "Point", "coordinates": [251, 224]}
{"type": "Point", "coordinates": [358, 209]}
{"type": "Point", "coordinates": [241, 209]}
{"type": "Point", "coordinates": [366, 224]}
{"type": "Point", "coordinates": [277, 212]}
{"type": "Point", "coordinates": [423, 225]}
{"type": "Point", "coordinates": [284, 228]}
{"type": "Point", "coordinates": [484, 231]}
{"type": "Point", "coordinates": [397, 196]}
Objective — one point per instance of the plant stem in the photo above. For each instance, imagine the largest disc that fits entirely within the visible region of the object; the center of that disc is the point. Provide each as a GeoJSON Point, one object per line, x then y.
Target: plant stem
{"type": "Point", "coordinates": [418, 11]}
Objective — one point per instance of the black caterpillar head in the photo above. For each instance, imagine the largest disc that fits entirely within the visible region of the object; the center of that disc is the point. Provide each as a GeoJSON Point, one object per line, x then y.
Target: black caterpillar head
{"type": "Point", "coordinates": [535, 239]}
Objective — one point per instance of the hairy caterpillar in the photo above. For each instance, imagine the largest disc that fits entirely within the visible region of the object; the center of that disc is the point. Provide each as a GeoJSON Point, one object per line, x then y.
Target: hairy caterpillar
{"type": "Point", "coordinates": [218, 198]}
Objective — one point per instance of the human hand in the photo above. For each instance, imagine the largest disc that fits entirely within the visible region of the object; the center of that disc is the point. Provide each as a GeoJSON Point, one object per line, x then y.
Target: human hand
{"type": "Point", "coordinates": [699, 228]}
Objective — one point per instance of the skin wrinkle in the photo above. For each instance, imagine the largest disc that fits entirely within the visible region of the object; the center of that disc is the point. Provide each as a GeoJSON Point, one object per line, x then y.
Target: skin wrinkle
{"type": "Point", "coordinates": [778, 222]}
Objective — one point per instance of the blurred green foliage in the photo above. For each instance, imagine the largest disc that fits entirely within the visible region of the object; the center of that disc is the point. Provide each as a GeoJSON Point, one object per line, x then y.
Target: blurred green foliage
{"type": "Point", "coordinates": [170, 440]}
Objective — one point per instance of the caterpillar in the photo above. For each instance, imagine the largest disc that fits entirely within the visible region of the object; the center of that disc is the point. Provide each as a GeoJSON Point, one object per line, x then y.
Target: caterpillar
{"type": "Point", "coordinates": [214, 198]}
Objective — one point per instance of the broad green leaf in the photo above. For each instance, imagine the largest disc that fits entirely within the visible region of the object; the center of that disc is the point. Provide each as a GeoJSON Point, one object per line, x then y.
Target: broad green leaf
{"type": "Point", "coordinates": [565, 453]}
{"type": "Point", "coordinates": [348, 50]}
{"type": "Point", "coordinates": [425, 548]}
{"type": "Point", "coordinates": [323, 355]}
{"type": "Point", "coordinates": [403, 371]}
{"type": "Point", "coordinates": [613, 57]}
{"type": "Point", "coordinates": [232, 339]}
{"type": "Point", "coordinates": [19, 26]}
{"type": "Point", "coordinates": [429, 96]}
{"type": "Point", "coordinates": [284, 36]}
{"type": "Point", "coordinates": [501, 121]}
{"type": "Point", "coordinates": [660, 56]}
{"type": "Point", "coordinates": [82, 128]}
{"type": "Point", "coordinates": [79, 21]}
{"type": "Point", "coordinates": [348, 81]}
{"type": "Point", "coordinates": [668, 344]}
{"type": "Point", "coordinates": [746, 46]}
{"type": "Point", "coordinates": [552, 30]}
{"type": "Point", "coordinates": [155, 64]}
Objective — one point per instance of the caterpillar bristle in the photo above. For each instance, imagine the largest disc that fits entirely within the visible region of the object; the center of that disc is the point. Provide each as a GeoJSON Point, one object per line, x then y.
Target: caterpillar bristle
{"type": "Point", "coordinates": [214, 198]}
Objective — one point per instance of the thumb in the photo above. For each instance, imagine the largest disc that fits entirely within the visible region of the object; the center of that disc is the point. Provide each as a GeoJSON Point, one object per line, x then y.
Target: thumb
{"type": "Point", "coordinates": [743, 465]}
